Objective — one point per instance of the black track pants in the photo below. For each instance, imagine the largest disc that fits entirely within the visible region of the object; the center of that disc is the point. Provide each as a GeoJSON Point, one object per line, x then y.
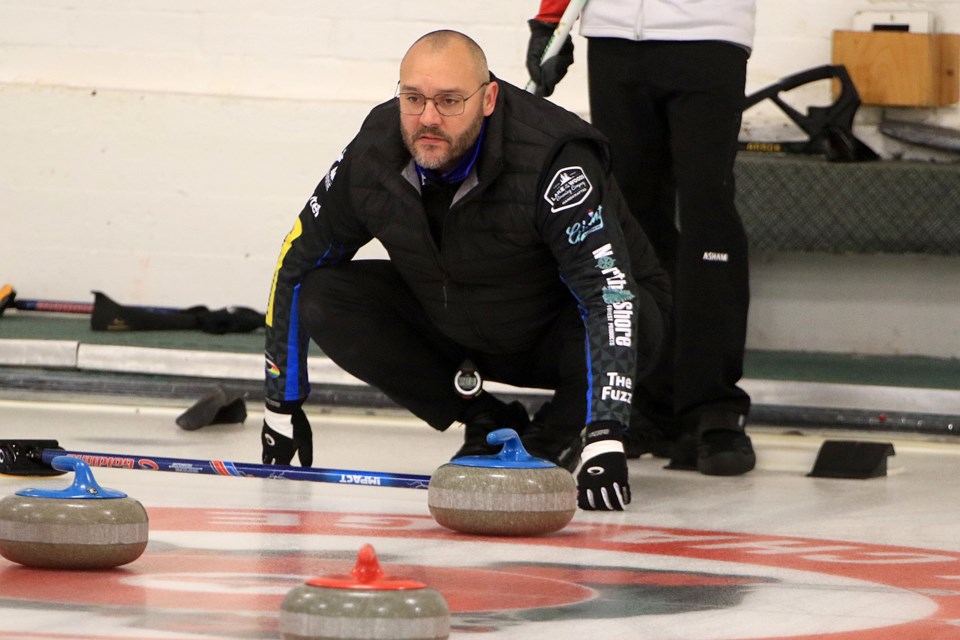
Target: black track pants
{"type": "Point", "coordinates": [672, 113]}
{"type": "Point", "coordinates": [365, 318]}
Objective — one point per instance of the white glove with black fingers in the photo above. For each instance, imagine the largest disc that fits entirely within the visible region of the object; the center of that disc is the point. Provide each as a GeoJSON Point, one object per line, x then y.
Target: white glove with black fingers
{"type": "Point", "coordinates": [602, 479]}
{"type": "Point", "coordinates": [286, 434]}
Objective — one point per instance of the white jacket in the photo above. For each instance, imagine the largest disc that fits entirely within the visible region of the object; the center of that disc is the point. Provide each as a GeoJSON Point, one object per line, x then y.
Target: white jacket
{"type": "Point", "coordinates": [729, 20]}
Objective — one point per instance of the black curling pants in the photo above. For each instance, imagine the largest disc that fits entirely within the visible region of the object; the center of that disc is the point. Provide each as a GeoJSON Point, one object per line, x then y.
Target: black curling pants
{"type": "Point", "coordinates": [672, 112]}
{"type": "Point", "coordinates": [364, 317]}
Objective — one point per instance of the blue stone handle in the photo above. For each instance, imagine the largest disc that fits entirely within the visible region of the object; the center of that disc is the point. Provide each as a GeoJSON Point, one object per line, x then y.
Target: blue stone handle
{"type": "Point", "coordinates": [84, 485]}
{"type": "Point", "coordinates": [511, 456]}
{"type": "Point", "coordinates": [512, 446]}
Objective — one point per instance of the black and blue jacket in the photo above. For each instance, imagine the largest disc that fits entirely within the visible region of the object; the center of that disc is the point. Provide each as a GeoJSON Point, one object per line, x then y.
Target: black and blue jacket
{"type": "Point", "coordinates": [538, 219]}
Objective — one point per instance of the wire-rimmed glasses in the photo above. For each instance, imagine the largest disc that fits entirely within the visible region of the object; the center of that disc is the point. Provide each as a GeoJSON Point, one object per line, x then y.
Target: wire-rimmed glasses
{"type": "Point", "coordinates": [413, 103]}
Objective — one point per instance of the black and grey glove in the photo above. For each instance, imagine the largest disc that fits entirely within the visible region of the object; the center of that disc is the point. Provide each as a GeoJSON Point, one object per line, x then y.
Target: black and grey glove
{"type": "Point", "coordinates": [548, 74]}
{"type": "Point", "coordinates": [603, 480]}
{"type": "Point", "coordinates": [278, 447]}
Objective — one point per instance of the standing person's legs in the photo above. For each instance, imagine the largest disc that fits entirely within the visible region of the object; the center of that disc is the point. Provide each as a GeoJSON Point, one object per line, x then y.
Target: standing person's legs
{"type": "Point", "coordinates": [711, 280]}
{"type": "Point", "coordinates": [711, 289]}
{"type": "Point", "coordinates": [626, 107]}
{"type": "Point", "coordinates": [672, 111]}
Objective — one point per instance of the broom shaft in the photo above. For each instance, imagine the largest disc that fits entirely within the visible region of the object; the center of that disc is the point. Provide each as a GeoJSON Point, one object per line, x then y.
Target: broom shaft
{"type": "Point", "coordinates": [243, 469]}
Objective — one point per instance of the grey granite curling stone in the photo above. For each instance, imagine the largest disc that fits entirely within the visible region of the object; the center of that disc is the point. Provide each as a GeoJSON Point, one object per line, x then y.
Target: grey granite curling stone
{"type": "Point", "coordinates": [84, 526]}
{"type": "Point", "coordinates": [507, 494]}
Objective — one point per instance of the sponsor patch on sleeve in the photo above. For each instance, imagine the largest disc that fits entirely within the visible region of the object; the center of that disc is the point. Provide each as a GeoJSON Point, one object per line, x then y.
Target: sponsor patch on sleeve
{"type": "Point", "coordinates": [332, 173]}
{"type": "Point", "coordinates": [569, 187]}
{"type": "Point", "coordinates": [272, 370]}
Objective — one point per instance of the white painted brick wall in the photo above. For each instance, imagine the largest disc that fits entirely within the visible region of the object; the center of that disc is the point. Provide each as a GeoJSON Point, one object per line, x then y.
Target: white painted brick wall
{"type": "Point", "coordinates": [284, 49]}
{"type": "Point", "coordinates": [334, 51]}
{"type": "Point", "coordinates": [159, 150]}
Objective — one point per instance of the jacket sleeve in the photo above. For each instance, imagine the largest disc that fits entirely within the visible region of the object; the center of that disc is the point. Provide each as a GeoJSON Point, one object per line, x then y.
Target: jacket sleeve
{"type": "Point", "coordinates": [325, 233]}
{"type": "Point", "coordinates": [578, 217]}
{"type": "Point", "coordinates": [552, 10]}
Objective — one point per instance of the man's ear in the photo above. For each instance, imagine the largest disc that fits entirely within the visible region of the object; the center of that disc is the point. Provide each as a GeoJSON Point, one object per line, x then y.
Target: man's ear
{"type": "Point", "coordinates": [490, 97]}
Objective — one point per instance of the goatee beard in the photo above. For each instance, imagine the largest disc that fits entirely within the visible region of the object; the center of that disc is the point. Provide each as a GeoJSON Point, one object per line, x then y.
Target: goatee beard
{"type": "Point", "coordinates": [434, 162]}
{"type": "Point", "coordinates": [457, 147]}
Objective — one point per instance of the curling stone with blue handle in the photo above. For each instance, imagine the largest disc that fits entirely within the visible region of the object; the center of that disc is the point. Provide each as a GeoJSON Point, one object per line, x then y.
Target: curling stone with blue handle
{"type": "Point", "coordinates": [84, 526]}
{"type": "Point", "coordinates": [507, 494]}
{"type": "Point", "coordinates": [367, 604]}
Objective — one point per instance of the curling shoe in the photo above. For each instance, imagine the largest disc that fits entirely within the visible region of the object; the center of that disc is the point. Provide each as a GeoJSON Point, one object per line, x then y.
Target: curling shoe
{"type": "Point", "coordinates": [649, 436]}
{"type": "Point", "coordinates": [558, 444]}
{"type": "Point", "coordinates": [724, 449]}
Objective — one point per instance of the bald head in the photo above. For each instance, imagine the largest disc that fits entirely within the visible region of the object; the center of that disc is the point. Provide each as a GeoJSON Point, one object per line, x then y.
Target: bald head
{"type": "Point", "coordinates": [457, 48]}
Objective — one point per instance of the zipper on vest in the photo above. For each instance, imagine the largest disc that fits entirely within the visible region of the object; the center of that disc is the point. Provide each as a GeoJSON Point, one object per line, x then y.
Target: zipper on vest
{"type": "Point", "coordinates": [444, 294]}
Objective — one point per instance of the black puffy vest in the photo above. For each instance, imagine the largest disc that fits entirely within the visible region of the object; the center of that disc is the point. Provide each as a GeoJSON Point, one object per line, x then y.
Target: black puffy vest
{"type": "Point", "coordinates": [495, 285]}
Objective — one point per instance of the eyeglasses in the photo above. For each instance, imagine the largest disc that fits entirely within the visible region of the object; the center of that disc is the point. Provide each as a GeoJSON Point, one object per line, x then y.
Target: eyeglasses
{"type": "Point", "coordinates": [413, 103]}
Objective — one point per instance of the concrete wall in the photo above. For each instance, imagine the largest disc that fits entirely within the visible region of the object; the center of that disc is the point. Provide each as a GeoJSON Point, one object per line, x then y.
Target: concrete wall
{"type": "Point", "coordinates": [158, 150]}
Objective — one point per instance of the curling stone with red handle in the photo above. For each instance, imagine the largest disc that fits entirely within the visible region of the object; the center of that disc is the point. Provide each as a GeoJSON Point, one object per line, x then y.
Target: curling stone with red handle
{"type": "Point", "coordinates": [367, 604]}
